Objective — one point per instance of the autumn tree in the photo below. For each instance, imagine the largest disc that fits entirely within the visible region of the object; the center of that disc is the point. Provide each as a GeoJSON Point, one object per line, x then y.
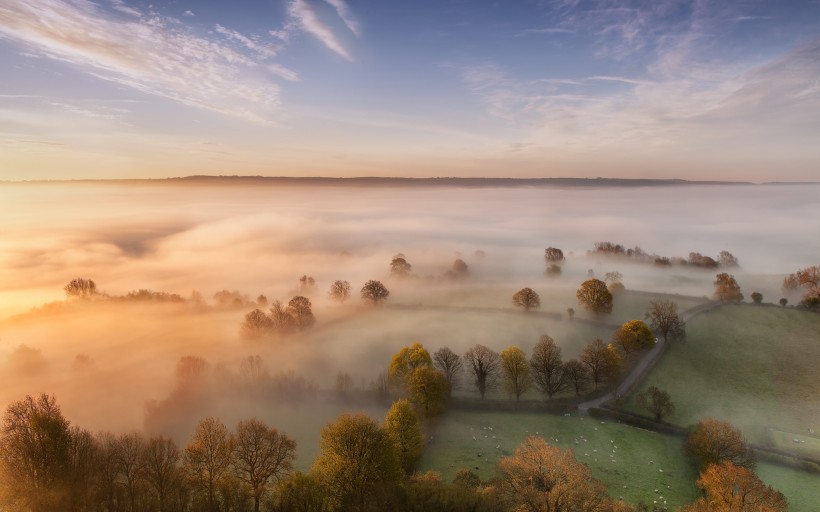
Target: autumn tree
{"type": "Point", "coordinates": [727, 259]}
{"type": "Point", "coordinates": [339, 291]}
{"type": "Point", "coordinates": [449, 363]}
{"type": "Point", "coordinates": [484, 364]}
{"type": "Point", "coordinates": [540, 477]}
{"type": "Point", "coordinates": [633, 335]}
{"type": "Point", "coordinates": [34, 455]}
{"type": "Point", "coordinates": [207, 459]}
{"type": "Point", "coordinates": [656, 401]}
{"type": "Point", "coordinates": [357, 463]}
{"type": "Point", "coordinates": [159, 468]}
{"type": "Point", "coordinates": [374, 293]}
{"type": "Point", "coordinates": [261, 455]}
{"type": "Point", "coordinates": [80, 288]}
{"type": "Point", "coordinates": [256, 325]}
{"type": "Point", "coordinates": [516, 371]}
{"type": "Point", "coordinates": [664, 319]}
{"type": "Point", "coordinates": [429, 390]}
{"type": "Point", "coordinates": [547, 367]}
{"type": "Point", "coordinates": [299, 308]}
{"type": "Point", "coordinates": [727, 289]}
{"type": "Point", "coordinates": [399, 267]}
{"type": "Point", "coordinates": [407, 360]}
{"type": "Point", "coordinates": [809, 280]}
{"type": "Point", "coordinates": [527, 299]}
{"type": "Point", "coordinates": [727, 487]}
{"type": "Point", "coordinates": [403, 427]}
{"type": "Point", "coordinates": [602, 361]}
{"type": "Point", "coordinates": [713, 441]}
{"type": "Point", "coordinates": [553, 255]}
{"type": "Point", "coordinates": [595, 297]}
{"type": "Point", "coordinates": [576, 375]}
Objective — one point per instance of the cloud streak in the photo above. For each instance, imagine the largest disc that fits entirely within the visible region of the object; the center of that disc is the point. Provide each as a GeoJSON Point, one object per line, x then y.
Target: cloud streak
{"type": "Point", "coordinates": [309, 21]}
{"type": "Point", "coordinates": [151, 54]}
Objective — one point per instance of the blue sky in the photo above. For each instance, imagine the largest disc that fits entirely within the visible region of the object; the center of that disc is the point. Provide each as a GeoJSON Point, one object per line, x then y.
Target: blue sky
{"type": "Point", "coordinates": [695, 90]}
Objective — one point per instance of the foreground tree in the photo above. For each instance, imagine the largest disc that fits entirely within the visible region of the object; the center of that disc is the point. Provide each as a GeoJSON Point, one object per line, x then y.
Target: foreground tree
{"type": "Point", "coordinates": [595, 297]}
{"type": "Point", "coordinates": [403, 427]}
{"type": "Point", "coordinates": [357, 463]}
{"type": "Point", "coordinates": [429, 390]}
{"type": "Point", "coordinates": [664, 319]}
{"type": "Point", "coordinates": [657, 402]}
{"type": "Point", "coordinates": [339, 291]}
{"type": "Point", "coordinates": [80, 288]}
{"type": "Point", "coordinates": [261, 455]}
{"type": "Point", "coordinates": [159, 467]}
{"type": "Point", "coordinates": [34, 455]}
{"type": "Point", "coordinates": [727, 289]}
{"type": "Point", "coordinates": [633, 336]}
{"type": "Point", "coordinates": [576, 375]}
{"type": "Point", "coordinates": [713, 441]}
{"type": "Point", "coordinates": [406, 361]}
{"type": "Point", "coordinates": [207, 459]}
{"type": "Point", "coordinates": [516, 371]}
{"type": "Point", "coordinates": [539, 477]}
{"type": "Point", "coordinates": [300, 309]}
{"type": "Point", "coordinates": [527, 299]}
{"type": "Point", "coordinates": [374, 293]}
{"type": "Point", "coordinates": [449, 363]}
{"type": "Point", "coordinates": [727, 487]}
{"type": "Point", "coordinates": [256, 325]}
{"type": "Point", "coordinates": [547, 367]}
{"type": "Point", "coordinates": [484, 364]}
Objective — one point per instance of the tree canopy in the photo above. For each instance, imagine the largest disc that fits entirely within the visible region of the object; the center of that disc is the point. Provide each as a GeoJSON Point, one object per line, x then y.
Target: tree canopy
{"type": "Point", "coordinates": [547, 367]}
{"type": "Point", "coordinates": [727, 289]}
{"type": "Point", "coordinates": [633, 336]}
{"type": "Point", "coordinates": [484, 364]}
{"type": "Point", "coordinates": [516, 371]}
{"type": "Point", "coordinates": [339, 291]}
{"type": "Point", "coordinates": [595, 297]}
{"type": "Point", "coordinates": [664, 319]}
{"type": "Point", "coordinates": [374, 293]}
{"type": "Point", "coordinates": [527, 299]}
{"type": "Point", "coordinates": [713, 441]}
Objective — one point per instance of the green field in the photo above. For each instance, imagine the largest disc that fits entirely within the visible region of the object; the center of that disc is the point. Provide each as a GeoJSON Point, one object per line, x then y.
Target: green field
{"type": "Point", "coordinates": [753, 366]}
{"type": "Point", "coordinates": [631, 462]}
{"type": "Point", "coordinates": [801, 488]}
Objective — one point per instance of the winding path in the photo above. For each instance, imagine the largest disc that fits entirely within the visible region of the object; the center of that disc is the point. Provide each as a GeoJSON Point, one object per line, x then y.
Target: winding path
{"type": "Point", "coordinates": [646, 363]}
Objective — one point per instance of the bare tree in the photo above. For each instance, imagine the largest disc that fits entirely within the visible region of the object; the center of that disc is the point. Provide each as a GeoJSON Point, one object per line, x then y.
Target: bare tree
{"type": "Point", "coordinates": [207, 458]}
{"type": "Point", "coordinates": [256, 325]}
{"type": "Point", "coordinates": [261, 455]}
{"type": "Point", "coordinates": [374, 293]}
{"type": "Point", "coordinates": [656, 401]}
{"type": "Point", "coordinates": [664, 319]}
{"type": "Point", "coordinates": [576, 375]}
{"type": "Point", "coordinates": [485, 365]}
{"type": "Point", "coordinates": [281, 318]}
{"type": "Point", "coordinates": [449, 363]}
{"type": "Point", "coordinates": [299, 308]}
{"type": "Point", "coordinates": [128, 454]}
{"type": "Point", "coordinates": [80, 288]}
{"type": "Point", "coordinates": [339, 291]}
{"type": "Point", "coordinates": [547, 367]}
{"type": "Point", "coordinates": [159, 468]}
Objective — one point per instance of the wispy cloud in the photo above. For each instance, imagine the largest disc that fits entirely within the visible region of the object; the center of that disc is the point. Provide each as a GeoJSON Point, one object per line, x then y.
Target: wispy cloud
{"type": "Point", "coordinates": [751, 18]}
{"type": "Point", "coordinates": [151, 54]}
{"type": "Point", "coordinates": [546, 30]}
{"type": "Point", "coordinates": [309, 21]}
{"type": "Point", "coordinates": [633, 81]}
{"type": "Point", "coordinates": [343, 10]}
{"type": "Point", "coordinates": [189, 13]}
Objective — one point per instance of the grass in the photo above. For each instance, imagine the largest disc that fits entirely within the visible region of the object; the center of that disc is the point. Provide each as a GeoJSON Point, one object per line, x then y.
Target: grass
{"type": "Point", "coordinates": [800, 487]}
{"type": "Point", "coordinates": [638, 455]}
{"type": "Point", "coordinates": [753, 366]}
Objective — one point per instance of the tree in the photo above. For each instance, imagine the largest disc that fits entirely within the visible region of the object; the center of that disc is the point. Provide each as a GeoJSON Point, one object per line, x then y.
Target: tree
{"type": "Point", "coordinates": [540, 477]}
{"type": "Point", "coordinates": [159, 468]}
{"type": "Point", "coordinates": [570, 313]}
{"type": "Point", "coordinates": [406, 360]}
{"type": "Point", "coordinates": [357, 462]}
{"type": "Point", "coordinates": [576, 375]}
{"type": "Point", "coordinates": [460, 268]}
{"type": "Point", "coordinates": [809, 279]}
{"type": "Point", "coordinates": [302, 492]}
{"type": "Point", "coordinates": [399, 267]}
{"type": "Point", "coordinates": [602, 361]}
{"type": "Point", "coordinates": [34, 455]}
{"type": "Point", "coordinates": [553, 255]}
{"type": "Point", "coordinates": [757, 297]}
{"type": "Point", "coordinates": [727, 289]}
{"type": "Point", "coordinates": [484, 364]}
{"type": "Point", "coordinates": [516, 371]}
{"type": "Point", "coordinates": [727, 259]}
{"type": "Point", "coordinates": [547, 367]}
{"type": "Point", "coordinates": [281, 319]}
{"type": "Point", "coordinates": [553, 270]}
{"type": "Point", "coordinates": [784, 301]}
{"type": "Point", "coordinates": [633, 335]}
{"type": "Point", "coordinates": [299, 308]}
{"type": "Point", "coordinates": [80, 288]}
{"type": "Point", "coordinates": [82, 470]}
{"type": "Point", "coordinates": [727, 487]}
{"type": "Point", "coordinates": [306, 284]}
{"type": "Point", "coordinates": [664, 319]}
{"type": "Point", "coordinates": [339, 291]}
{"type": "Point", "coordinates": [526, 298]}
{"type": "Point", "coordinates": [403, 427]}
{"type": "Point", "coordinates": [261, 455]}
{"type": "Point", "coordinates": [656, 401]}
{"type": "Point", "coordinates": [449, 363]}
{"type": "Point", "coordinates": [594, 296]}
{"type": "Point", "coordinates": [713, 441]}
{"type": "Point", "coordinates": [207, 459]}
{"type": "Point", "coordinates": [374, 293]}
{"type": "Point", "coordinates": [128, 455]}
{"type": "Point", "coordinates": [429, 390]}
{"type": "Point", "coordinates": [256, 325]}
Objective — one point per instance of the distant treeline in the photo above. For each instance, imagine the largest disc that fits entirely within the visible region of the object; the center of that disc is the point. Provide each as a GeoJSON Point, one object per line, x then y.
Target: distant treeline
{"type": "Point", "coordinates": [695, 259]}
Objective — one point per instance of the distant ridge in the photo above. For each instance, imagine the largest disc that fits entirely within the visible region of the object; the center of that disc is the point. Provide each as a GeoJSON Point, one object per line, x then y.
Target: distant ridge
{"type": "Point", "coordinates": [375, 181]}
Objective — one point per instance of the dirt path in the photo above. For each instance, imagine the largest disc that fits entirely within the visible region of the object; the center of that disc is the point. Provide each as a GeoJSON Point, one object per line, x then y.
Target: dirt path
{"type": "Point", "coordinates": [649, 360]}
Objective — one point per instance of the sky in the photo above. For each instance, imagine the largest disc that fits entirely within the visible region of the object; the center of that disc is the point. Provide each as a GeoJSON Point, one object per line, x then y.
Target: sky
{"type": "Point", "coordinates": [715, 90]}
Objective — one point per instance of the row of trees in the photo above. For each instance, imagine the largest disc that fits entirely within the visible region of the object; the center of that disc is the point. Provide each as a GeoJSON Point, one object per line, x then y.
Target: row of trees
{"type": "Point", "coordinates": [695, 259]}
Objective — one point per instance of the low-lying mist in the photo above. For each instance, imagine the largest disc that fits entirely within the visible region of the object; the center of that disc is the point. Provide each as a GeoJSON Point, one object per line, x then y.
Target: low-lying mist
{"type": "Point", "coordinates": [114, 364]}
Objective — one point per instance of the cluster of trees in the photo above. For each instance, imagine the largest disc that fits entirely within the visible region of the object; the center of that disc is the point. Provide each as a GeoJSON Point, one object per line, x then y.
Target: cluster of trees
{"type": "Point", "coordinates": [695, 259]}
{"type": "Point", "coordinates": [401, 269]}
{"type": "Point", "coordinates": [807, 280]}
{"type": "Point", "coordinates": [554, 258]}
{"type": "Point", "coordinates": [281, 319]}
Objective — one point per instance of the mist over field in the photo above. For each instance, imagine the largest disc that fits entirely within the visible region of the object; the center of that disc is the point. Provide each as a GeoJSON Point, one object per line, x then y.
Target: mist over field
{"type": "Point", "coordinates": [108, 362]}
